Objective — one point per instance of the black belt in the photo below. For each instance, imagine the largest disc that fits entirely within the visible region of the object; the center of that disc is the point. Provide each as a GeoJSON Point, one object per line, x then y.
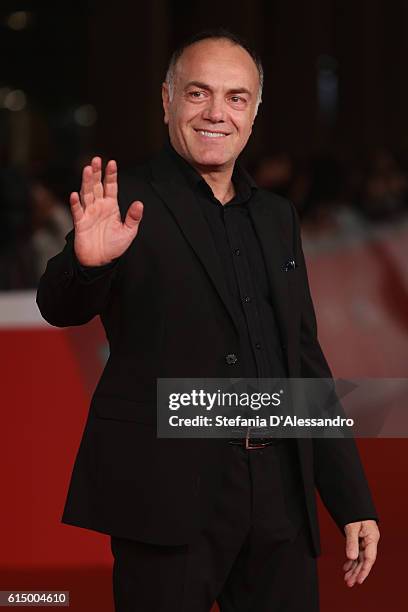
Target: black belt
{"type": "Point", "coordinates": [253, 443]}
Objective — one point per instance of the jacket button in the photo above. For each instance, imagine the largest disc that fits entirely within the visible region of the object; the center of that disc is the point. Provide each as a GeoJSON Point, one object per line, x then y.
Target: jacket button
{"type": "Point", "coordinates": [231, 358]}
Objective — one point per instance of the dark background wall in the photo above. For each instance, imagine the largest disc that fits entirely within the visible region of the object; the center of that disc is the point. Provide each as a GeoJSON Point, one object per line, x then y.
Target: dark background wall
{"type": "Point", "coordinates": [114, 55]}
{"type": "Point", "coordinates": [367, 39]}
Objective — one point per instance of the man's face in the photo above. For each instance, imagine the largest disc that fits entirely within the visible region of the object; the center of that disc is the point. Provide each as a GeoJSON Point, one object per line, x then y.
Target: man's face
{"type": "Point", "coordinates": [213, 107]}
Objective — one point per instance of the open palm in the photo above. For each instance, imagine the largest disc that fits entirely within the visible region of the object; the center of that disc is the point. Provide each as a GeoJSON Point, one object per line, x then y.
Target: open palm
{"type": "Point", "coordinates": [100, 235]}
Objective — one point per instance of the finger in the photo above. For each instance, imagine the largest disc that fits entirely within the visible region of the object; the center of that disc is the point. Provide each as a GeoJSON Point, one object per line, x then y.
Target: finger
{"type": "Point", "coordinates": [110, 182]}
{"type": "Point", "coordinates": [350, 570]}
{"type": "Point", "coordinates": [97, 177]}
{"type": "Point", "coordinates": [349, 565]}
{"type": "Point", "coordinates": [352, 545]}
{"type": "Point", "coordinates": [363, 573]}
{"type": "Point", "coordinates": [76, 208]}
{"type": "Point", "coordinates": [87, 195]}
{"type": "Point", "coordinates": [370, 555]}
{"type": "Point", "coordinates": [351, 580]}
{"type": "Point", "coordinates": [134, 215]}
{"type": "Point", "coordinates": [350, 576]}
{"type": "Point", "coordinates": [354, 570]}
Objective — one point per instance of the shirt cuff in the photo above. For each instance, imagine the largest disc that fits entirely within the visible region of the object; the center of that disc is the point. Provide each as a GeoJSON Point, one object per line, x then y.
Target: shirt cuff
{"type": "Point", "coordinates": [91, 273]}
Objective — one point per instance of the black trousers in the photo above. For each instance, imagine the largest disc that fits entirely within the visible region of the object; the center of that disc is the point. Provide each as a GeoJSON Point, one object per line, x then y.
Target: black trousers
{"type": "Point", "coordinates": [254, 555]}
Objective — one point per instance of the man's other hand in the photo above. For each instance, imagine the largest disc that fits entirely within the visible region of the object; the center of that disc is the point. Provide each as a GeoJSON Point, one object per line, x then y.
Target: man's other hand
{"type": "Point", "coordinates": [361, 550]}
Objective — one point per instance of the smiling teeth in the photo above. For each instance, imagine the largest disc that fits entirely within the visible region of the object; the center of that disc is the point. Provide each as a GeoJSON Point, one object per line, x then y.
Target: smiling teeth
{"type": "Point", "coordinates": [211, 134]}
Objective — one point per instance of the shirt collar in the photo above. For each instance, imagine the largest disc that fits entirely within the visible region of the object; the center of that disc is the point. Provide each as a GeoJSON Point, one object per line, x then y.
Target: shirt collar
{"type": "Point", "coordinates": [244, 184]}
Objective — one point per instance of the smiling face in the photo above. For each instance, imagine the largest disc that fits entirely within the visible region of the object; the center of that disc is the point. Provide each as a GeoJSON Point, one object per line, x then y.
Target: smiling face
{"type": "Point", "coordinates": [214, 102]}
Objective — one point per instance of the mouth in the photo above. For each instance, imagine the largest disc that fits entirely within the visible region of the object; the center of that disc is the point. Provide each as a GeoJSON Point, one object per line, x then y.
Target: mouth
{"type": "Point", "coordinates": [211, 133]}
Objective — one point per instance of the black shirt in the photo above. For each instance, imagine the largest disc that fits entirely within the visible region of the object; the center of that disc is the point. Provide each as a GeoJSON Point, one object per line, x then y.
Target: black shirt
{"type": "Point", "coordinates": [243, 264]}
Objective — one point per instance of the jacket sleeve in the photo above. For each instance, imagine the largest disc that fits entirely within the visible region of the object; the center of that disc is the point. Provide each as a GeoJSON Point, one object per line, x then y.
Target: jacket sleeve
{"type": "Point", "coordinates": [71, 294]}
{"type": "Point", "coordinates": [338, 471]}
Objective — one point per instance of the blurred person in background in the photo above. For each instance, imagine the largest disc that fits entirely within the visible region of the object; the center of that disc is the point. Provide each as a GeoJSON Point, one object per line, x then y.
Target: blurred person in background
{"type": "Point", "coordinates": [34, 223]}
{"type": "Point", "coordinates": [51, 217]}
{"type": "Point", "coordinates": [276, 173]}
{"type": "Point", "coordinates": [324, 192]}
{"type": "Point", "coordinates": [383, 195]}
{"type": "Point", "coordinates": [202, 276]}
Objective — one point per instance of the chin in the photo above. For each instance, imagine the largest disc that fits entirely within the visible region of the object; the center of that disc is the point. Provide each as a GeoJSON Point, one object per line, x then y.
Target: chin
{"type": "Point", "coordinates": [211, 158]}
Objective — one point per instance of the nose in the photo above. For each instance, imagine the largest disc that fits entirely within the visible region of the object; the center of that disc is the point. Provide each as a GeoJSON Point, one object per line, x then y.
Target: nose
{"type": "Point", "coordinates": [214, 110]}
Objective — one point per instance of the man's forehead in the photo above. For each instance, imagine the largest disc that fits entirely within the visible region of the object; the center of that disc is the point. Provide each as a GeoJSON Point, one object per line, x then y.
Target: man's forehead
{"type": "Point", "coordinates": [218, 61]}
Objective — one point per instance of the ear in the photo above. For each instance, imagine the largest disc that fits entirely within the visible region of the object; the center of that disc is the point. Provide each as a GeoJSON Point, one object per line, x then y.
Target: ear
{"type": "Point", "coordinates": [166, 102]}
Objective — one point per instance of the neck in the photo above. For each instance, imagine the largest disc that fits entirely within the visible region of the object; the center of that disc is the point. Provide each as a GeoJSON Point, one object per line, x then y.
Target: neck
{"type": "Point", "coordinates": [220, 182]}
{"type": "Point", "coordinates": [219, 178]}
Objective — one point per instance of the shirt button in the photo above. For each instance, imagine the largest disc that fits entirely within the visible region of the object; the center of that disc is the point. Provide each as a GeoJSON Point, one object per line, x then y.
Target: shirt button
{"type": "Point", "coordinates": [231, 358]}
{"type": "Point", "coordinates": [257, 345]}
{"type": "Point", "coordinates": [247, 299]}
{"type": "Point", "coordinates": [237, 252]}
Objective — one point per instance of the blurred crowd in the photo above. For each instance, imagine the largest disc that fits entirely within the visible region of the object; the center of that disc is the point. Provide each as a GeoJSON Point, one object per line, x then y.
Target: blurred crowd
{"type": "Point", "coordinates": [35, 215]}
{"type": "Point", "coordinates": [34, 220]}
{"type": "Point", "coordinates": [328, 195]}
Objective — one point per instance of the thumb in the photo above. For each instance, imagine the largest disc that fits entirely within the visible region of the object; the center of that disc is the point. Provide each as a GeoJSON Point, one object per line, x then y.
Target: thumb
{"type": "Point", "coordinates": [352, 544]}
{"type": "Point", "coordinates": [134, 215]}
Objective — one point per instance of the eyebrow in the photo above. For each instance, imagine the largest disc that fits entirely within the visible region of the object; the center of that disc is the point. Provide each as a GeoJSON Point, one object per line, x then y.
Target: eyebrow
{"type": "Point", "coordinates": [235, 90]}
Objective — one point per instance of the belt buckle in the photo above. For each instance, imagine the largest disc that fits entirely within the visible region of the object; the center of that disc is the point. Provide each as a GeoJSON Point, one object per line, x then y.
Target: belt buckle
{"type": "Point", "coordinates": [248, 446]}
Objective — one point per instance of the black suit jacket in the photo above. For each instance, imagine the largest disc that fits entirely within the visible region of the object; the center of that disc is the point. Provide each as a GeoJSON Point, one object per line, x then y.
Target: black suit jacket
{"type": "Point", "coordinates": [166, 312]}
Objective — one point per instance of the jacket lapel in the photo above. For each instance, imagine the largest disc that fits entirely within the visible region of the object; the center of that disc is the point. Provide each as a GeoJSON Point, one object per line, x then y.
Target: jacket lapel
{"type": "Point", "coordinates": [174, 190]}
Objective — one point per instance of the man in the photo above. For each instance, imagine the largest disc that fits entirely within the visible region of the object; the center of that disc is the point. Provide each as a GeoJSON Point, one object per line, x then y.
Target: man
{"type": "Point", "coordinates": [203, 276]}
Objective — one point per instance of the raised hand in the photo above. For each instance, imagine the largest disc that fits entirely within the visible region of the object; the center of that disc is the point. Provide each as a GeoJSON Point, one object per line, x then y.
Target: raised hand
{"type": "Point", "coordinates": [100, 235]}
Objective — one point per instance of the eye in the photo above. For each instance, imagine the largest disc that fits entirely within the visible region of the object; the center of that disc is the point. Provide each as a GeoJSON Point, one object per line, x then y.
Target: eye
{"type": "Point", "coordinates": [237, 100]}
{"type": "Point", "coordinates": [197, 95]}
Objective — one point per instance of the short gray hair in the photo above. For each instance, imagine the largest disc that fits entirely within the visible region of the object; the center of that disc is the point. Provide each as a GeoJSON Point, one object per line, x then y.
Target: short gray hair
{"type": "Point", "coordinates": [215, 34]}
